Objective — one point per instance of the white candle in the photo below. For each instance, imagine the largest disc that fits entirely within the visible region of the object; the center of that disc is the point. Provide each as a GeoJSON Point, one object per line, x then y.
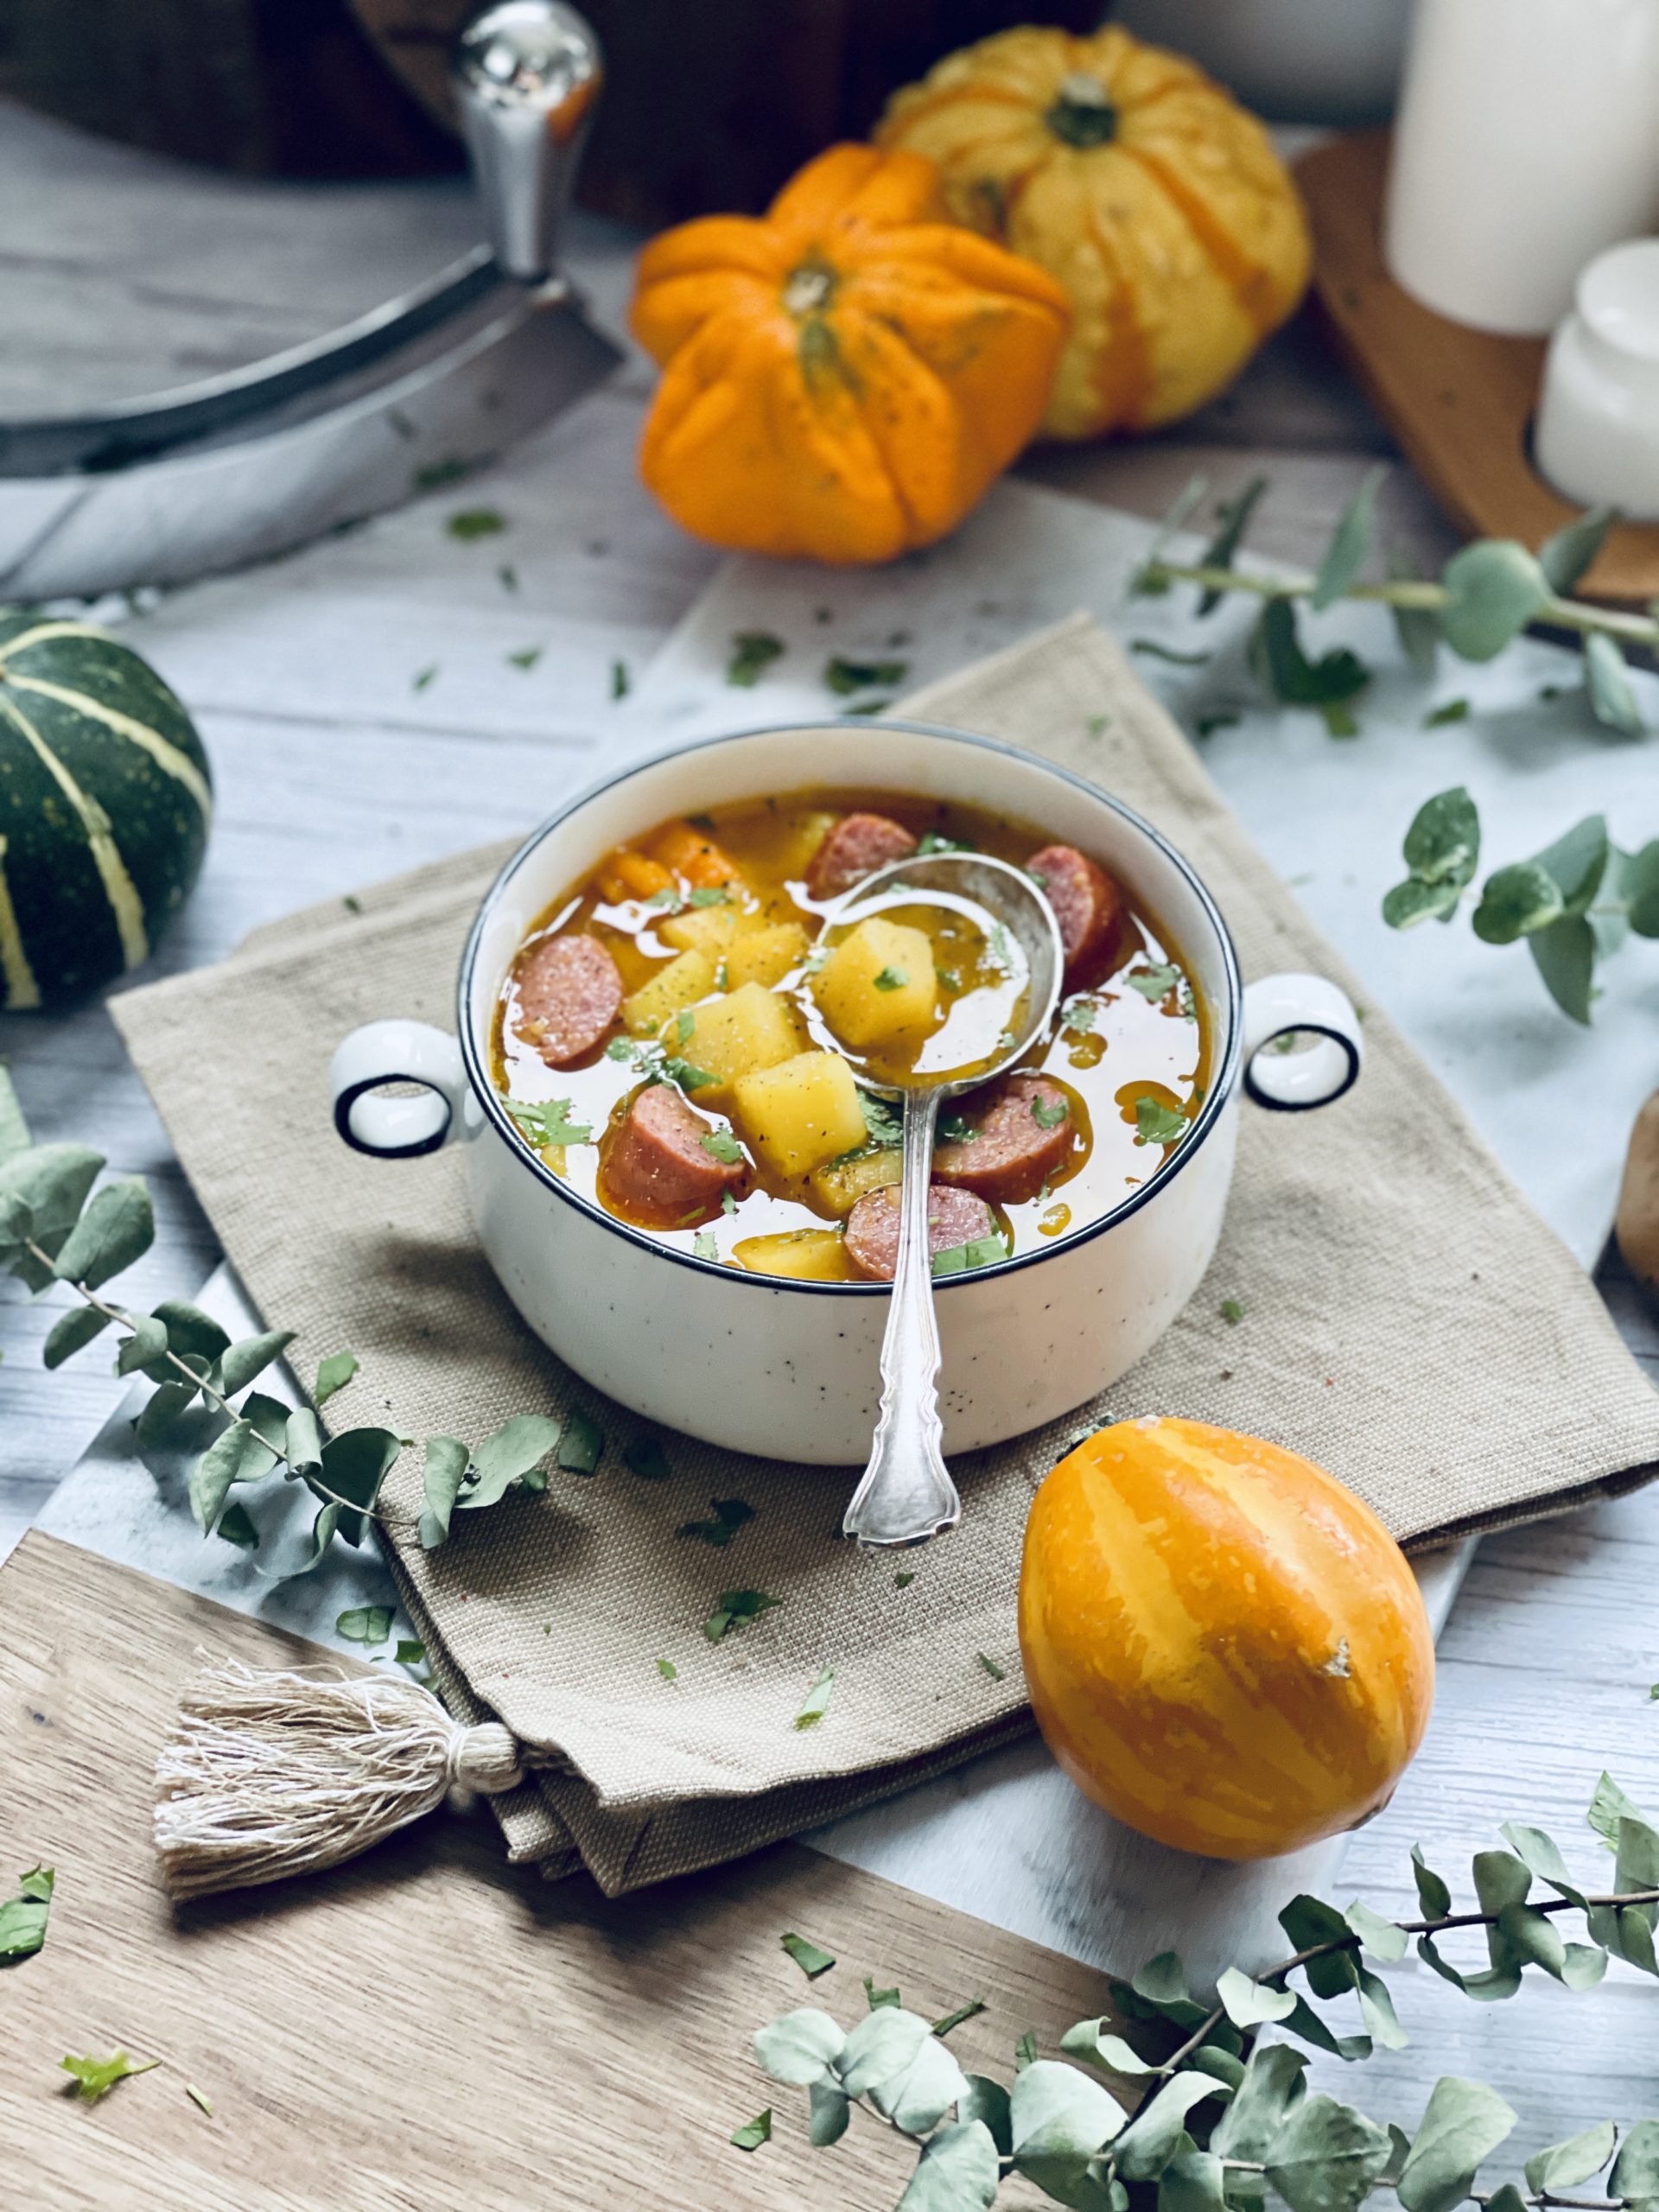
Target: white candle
{"type": "Point", "coordinates": [1527, 140]}
{"type": "Point", "coordinates": [1597, 435]}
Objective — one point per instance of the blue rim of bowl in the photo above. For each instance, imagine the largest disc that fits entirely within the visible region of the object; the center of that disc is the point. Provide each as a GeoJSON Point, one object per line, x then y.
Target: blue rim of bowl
{"type": "Point", "coordinates": [1210, 1113]}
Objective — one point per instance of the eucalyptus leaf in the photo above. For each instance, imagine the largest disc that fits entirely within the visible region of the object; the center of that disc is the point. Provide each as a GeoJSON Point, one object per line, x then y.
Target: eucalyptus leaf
{"type": "Point", "coordinates": [236, 1454]}
{"type": "Point", "coordinates": [1210, 2058]}
{"type": "Point", "coordinates": [75, 1326]}
{"type": "Point", "coordinates": [917, 2099]}
{"type": "Point", "coordinates": [801, 2047]}
{"type": "Point", "coordinates": [117, 1228]}
{"type": "Point", "coordinates": [1495, 588]}
{"type": "Point", "coordinates": [507, 1455]}
{"type": "Point", "coordinates": [334, 1373]}
{"type": "Point", "coordinates": [1327, 2156]}
{"type": "Point", "coordinates": [1571, 551]}
{"type": "Point", "coordinates": [1432, 1892]}
{"type": "Point", "coordinates": [23, 1918]}
{"type": "Point", "coordinates": [984, 2099]}
{"type": "Point", "coordinates": [1608, 1806]}
{"type": "Point", "coordinates": [14, 1129]}
{"type": "Point", "coordinates": [1636, 2170]}
{"type": "Point", "coordinates": [1309, 1920]}
{"type": "Point", "coordinates": [236, 1527]}
{"type": "Point", "coordinates": [446, 1468]}
{"type": "Point", "coordinates": [1565, 955]}
{"type": "Point", "coordinates": [1153, 2136]}
{"type": "Point", "coordinates": [1274, 2084]}
{"type": "Point", "coordinates": [1192, 2182]}
{"type": "Point", "coordinates": [369, 1625]}
{"type": "Point", "coordinates": [1376, 2009]}
{"type": "Point", "coordinates": [165, 1404]}
{"type": "Point", "coordinates": [1306, 2022]}
{"type": "Point", "coordinates": [1382, 1939]}
{"type": "Point", "coordinates": [239, 1362]}
{"type": "Point", "coordinates": [1418, 628]}
{"type": "Point", "coordinates": [302, 1440]}
{"type": "Point", "coordinates": [323, 1530]}
{"type": "Point", "coordinates": [1515, 901]}
{"type": "Point", "coordinates": [1159, 1989]}
{"type": "Point", "coordinates": [189, 1330]}
{"type": "Point", "coordinates": [829, 2109]}
{"type": "Point", "coordinates": [1284, 669]}
{"type": "Point", "coordinates": [1252, 2004]}
{"type": "Point", "coordinates": [1564, 2165]}
{"type": "Point", "coordinates": [1608, 687]}
{"type": "Point", "coordinates": [881, 2047]}
{"type": "Point", "coordinates": [1640, 886]}
{"type": "Point", "coordinates": [1407, 904]}
{"type": "Point", "coordinates": [145, 1351]}
{"type": "Point", "coordinates": [355, 1464]}
{"type": "Point", "coordinates": [1540, 1855]}
{"type": "Point", "coordinates": [959, 2172]}
{"type": "Point", "coordinates": [1223, 550]}
{"type": "Point", "coordinates": [51, 1181]}
{"type": "Point", "coordinates": [1059, 2118]}
{"type": "Point", "coordinates": [268, 1419]}
{"type": "Point", "coordinates": [1346, 555]}
{"type": "Point", "coordinates": [1638, 1842]}
{"type": "Point", "coordinates": [1463, 2124]}
{"type": "Point", "coordinates": [1092, 2042]}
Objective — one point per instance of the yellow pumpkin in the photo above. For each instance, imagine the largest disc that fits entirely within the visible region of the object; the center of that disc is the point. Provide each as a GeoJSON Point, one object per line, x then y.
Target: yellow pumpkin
{"type": "Point", "coordinates": [845, 376]}
{"type": "Point", "coordinates": [1147, 191]}
{"type": "Point", "coordinates": [1223, 1647]}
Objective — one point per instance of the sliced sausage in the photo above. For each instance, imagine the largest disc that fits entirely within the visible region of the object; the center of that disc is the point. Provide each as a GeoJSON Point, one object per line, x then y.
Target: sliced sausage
{"type": "Point", "coordinates": [569, 990]}
{"type": "Point", "coordinates": [1026, 1131]}
{"type": "Point", "coordinates": [657, 1167]}
{"type": "Point", "coordinates": [954, 1218]}
{"type": "Point", "coordinates": [855, 847]}
{"type": "Point", "coordinates": [1086, 901]}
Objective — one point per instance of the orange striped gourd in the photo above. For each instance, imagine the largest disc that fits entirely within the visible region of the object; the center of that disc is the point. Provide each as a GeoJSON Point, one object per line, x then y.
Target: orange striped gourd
{"type": "Point", "coordinates": [1156, 201]}
{"type": "Point", "coordinates": [1224, 1647]}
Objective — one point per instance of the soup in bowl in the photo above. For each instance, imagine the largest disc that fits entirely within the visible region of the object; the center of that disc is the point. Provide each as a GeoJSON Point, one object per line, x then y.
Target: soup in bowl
{"type": "Point", "coordinates": [664, 1006]}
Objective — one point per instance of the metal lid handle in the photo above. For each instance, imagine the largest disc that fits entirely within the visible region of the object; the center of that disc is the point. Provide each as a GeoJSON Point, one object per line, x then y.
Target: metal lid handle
{"type": "Point", "coordinates": [527, 74]}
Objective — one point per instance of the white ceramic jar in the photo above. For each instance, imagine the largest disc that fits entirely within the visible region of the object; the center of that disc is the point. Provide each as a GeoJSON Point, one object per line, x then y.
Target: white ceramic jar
{"type": "Point", "coordinates": [1597, 435]}
{"type": "Point", "coordinates": [790, 1370]}
{"type": "Point", "coordinates": [1527, 140]}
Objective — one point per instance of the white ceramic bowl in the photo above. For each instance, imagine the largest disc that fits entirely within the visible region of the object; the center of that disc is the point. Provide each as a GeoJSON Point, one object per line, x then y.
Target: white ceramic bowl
{"type": "Point", "coordinates": [790, 1369]}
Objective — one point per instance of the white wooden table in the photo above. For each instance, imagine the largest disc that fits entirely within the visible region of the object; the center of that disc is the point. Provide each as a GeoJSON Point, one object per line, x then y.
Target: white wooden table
{"type": "Point", "coordinates": [131, 274]}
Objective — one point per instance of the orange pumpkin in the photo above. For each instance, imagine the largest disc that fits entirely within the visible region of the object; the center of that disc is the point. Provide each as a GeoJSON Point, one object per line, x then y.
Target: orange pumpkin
{"type": "Point", "coordinates": [1224, 1647]}
{"type": "Point", "coordinates": [1155, 199]}
{"type": "Point", "coordinates": [845, 376]}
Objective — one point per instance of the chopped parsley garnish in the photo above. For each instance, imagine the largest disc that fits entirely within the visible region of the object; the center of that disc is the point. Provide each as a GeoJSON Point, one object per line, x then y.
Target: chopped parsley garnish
{"type": "Point", "coordinates": [891, 979]}
{"type": "Point", "coordinates": [960, 1259]}
{"type": "Point", "coordinates": [1167, 653]}
{"type": "Point", "coordinates": [814, 959]}
{"type": "Point", "coordinates": [949, 979]}
{"type": "Point", "coordinates": [475, 521]}
{"type": "Point", "coordinates": [1453, 710]}
{"type": "Point", "coordinates": [684, 1022]}
{"type": "Point", "coordinates": [721, 1145]}
{"type": "Point", "coordinates": [903, 1580]}
{"type": "Point", "coordinates": [620, 685]}
{"type": "Point", "coordinates": [677, 1071]}
{"type": "Point", "coordinates": [1079, 1015]}
{"type": "Point", "coordinates": [955, 1128]}
{"type": "Point", "coordinates": [730, 1514]}
{"type": "Point", "coordinates": [1157, 1123]}
{"type": "Point", "coordinates": [668, 1670]}
{"type": "Point", "coordinates": [709, 895]}
{"type": "Point", "coordinates": [527, 657]}
{"type": "Point", "coordinates": [95, 2077]}
{"type": "Point", "coordinates": [425, 676]}
{"type": "Point", "coordinates": [753, 652]}
{"type": "Point", "coordinates": [727, 1203]}
{"type": "Point", "coordinates": [932, 841]}
{"type": "Point", "coordinates": [1232, 1311]}
{"type": "Point", "coordinates": [621, 1048]}
{"type": "Point", "coordinates": [1155, 982]}
{"type": "Point", "coordinates": [546, 1123]}
{"type": "Point", "coordinates": [705, 1245]}
{"type": "Point", "coordinates": [844, 676]}
{"type": "Point", "coordinates": [666, 901]}
{"type": "Point", "coordinates": [997, 1674]}
{"type": "Point", "coordinates": [1207, 725]}
{"type": "Point", "coordinates": [735, 1609]}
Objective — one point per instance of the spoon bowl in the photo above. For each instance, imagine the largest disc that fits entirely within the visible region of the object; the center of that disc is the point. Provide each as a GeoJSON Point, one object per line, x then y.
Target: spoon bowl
{"type": "Point", "coordinates": [905, 1495]}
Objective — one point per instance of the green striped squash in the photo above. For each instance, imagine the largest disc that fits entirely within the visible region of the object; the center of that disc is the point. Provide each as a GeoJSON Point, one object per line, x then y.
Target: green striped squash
{"type": "Point", "coordinates": [106, 797]}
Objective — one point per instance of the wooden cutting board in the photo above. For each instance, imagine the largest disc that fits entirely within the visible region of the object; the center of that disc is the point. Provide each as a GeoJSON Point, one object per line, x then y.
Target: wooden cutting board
{"type": "Point", "coordinates": [427, 2027]}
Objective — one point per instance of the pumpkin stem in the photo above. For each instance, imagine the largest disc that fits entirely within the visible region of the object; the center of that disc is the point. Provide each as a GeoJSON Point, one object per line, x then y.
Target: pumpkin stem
{"type": "Point", "coordinates": [809, 287]}
{"type": "Point", "coordinates": [1083, 113]}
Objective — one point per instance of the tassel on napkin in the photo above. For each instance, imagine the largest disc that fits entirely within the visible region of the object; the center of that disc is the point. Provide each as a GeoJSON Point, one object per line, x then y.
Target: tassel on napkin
{"type": "Point", "coordinates": [273, 1774]}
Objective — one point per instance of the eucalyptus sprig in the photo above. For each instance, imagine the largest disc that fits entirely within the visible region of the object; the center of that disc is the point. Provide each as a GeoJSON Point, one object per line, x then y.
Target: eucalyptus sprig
{"type": "Point", "coordinates": [57, 1232]}
{"type": "Point", "coordinates": [1486, 596]}
{"type": "Point", "coordinates": [1078, 2141]}
{"type": "Point", "coordinates": [1574, 903]}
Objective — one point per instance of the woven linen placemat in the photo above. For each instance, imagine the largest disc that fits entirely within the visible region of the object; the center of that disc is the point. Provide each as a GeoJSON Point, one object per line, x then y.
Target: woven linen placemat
{"type": "Point", "coordinates": [1409, 1324]}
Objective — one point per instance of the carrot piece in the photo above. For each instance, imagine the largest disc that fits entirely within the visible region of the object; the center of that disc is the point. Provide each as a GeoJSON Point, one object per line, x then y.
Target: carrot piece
{"type": "Point", "coordinates": [628, 874]}
{"type": "Point", "coordinates": [693, 856]}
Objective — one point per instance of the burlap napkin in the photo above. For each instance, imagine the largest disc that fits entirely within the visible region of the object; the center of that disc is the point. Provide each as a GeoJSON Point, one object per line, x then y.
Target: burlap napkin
{"type": "Point", "coordinates": [1408, 1323]}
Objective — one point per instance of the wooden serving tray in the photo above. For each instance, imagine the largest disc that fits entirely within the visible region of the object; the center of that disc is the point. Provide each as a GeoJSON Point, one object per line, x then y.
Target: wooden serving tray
{"type": "Point", "coordinates": [1459, 400]}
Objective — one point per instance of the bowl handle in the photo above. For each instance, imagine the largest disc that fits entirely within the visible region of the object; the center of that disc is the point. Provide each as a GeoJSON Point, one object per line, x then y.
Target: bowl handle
{"type": "Point", "coordinates": [382, 1052]}
{"type": "Point", "coordinates": [1294, 1083]}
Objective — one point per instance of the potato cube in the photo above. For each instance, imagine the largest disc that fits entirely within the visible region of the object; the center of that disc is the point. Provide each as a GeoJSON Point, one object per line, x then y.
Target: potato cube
{"type": "Point", "coordinates": [687, 978]}
{"type": "Point", "coordinates": [764, 955]}
{"type": "Point", "coordinates": [877, 984]}
{"type": "Point", "coordinates": [801, 1113]}
{"type": "Point", "coordinates": [803, 830]}
{"type": "Point", "coordinates": [839, 1186]}
{"type": "Point", "coordinates": [738, 1035]}
{"type": "Point", "coordinates": [700, 929]}
{"type": "Point", "coordinates": [805, 1255]}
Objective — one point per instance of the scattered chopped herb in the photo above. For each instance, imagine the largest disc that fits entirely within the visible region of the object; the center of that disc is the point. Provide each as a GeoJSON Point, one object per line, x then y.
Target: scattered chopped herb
{"type": "Point", "coordinates": [426, 676]}
{"type": "Point", "coordinates": [949, 979]}
{"type": "Point", "coordinates": [351, 903]}
{"type": "Point", "coordinates": [437, 473]}
{"type": "Point", "coordinates": [582, 1446]}
{"type": "Point", "coordinates": [1047, 1116]}
{"type": "Point", "coordinates": [753, 2133]}
{"type": "Point", "coordinates": [727, 1203]}
{"type": "Point", "coordinates": [753, 652]}
{"type": "Point", "coordinates": [475, 521]}
{"type": "Point", "coordinates": [1005, 1042]}
{"type": "Point", "coordinates": [932, 841]}
{"type": "Point", "coordinates": [410, 1652]}
{"type": "Point", "coordinates": [621, 1048]}
{"type": "Point", "coordinates": [734, 1608]}
{"type": "Point", "coordinates": [1024, 2052]}
{"type": "Point", "coordinates": [814, 959]}
{"type": "Point", "coordinates": [236, 1527]}
{"type": "Point", "coordinates": [844, 676]}
{"type": "Point", "coordinates": [1154, 982]}
{"type": "Point", "coordinates": [1079, 1015]}
{"type": "Point", "coordinates": [620, 685]}
{"type": "Point", "coordinates": [817, 1700]}
{"type": "Point", "coordinates": [812, 1961]}
{"type": "Point", "coordinates": [677, 1071]}
{"type": "Point", "coordinates": [333, 1374]}
{"type": "Point", "coordinates": [878, 1998]}
{"type": "Point", "coordinates": [1167, 653]}
{"type": "Point", "coordinates": [526, 657]}
{"type": "Point", "coordinates": [509, 576]}
{"type": "Point", "coordinates": [645, 1457]}
{"type": "Point", "coordinates": [709, 895]}
{"type": "Point", "coordinates": [666, 901]}
{"type": "Point", "coordinates": [891, 979]}
{"type": "Point", "coordinates": [1096, 723]}
{"type": "Point", "coordinates": [721, 1145]}
{"type": "Point", "coordinates": [705, 1245]}
{"type": "Point", "coordinates": [869, 707]}
{"type": "Point", "coordinates": [954, 2020]}
{"type": "Point", "coordinates": [96, 2077]}
{"type": "Point", "coordinates": [546, 1123]}
{"type": "Point", "coordinates": [684, 1023]}
{"type": "Point", "coordinates": [197, 2098]}
{"type": "Point", "coordinates": [956, 1129]}
{"type": "Point", "coordinates": [1232, 1311]}
{"type": "Point", "coordinates": [1207, 725]}
{"type": "Point", "coordinates": [903, 1580]}
{"type": "Point", "coordinates": [1454, 710]}
{"type": "Point", "coordinates": [999, 948]}
{"type": "Point", "coordinates": [1156, 1124]}
{"type": "Point", "coordinates": [960, 1259]}
{"type": "Point", "coordinates": [23, 1920]}
{"type": "Point", "coordinates": [365, 1625]}
{"type": "Point", "coordinates": [722, 975]}
{"type": "Point", "coordinates": [997, 1674]}
{"type": "Point", "coordinates": [730, 1514]}
{"type": "Point", "coordinates": [668, 1670]}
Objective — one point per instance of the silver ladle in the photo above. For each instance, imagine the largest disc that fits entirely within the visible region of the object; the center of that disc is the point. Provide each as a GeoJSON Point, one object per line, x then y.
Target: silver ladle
{"type": "Point", "coordinates": [907, 1495]}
